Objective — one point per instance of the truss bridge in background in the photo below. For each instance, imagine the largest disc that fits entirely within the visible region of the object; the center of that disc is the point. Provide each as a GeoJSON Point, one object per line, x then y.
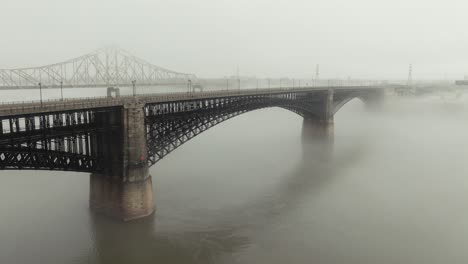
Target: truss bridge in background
{"type": "Point", "coordinates": [105, 67]}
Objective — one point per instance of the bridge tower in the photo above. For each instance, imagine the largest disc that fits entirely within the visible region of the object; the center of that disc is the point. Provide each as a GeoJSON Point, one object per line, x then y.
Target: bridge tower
{"type": "Point", "coordinates": [124, 190]}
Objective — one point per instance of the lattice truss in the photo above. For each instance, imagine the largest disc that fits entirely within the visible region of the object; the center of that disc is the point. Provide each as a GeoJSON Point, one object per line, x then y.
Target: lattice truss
{"type": "Point", "coordinates": [21, 158]}
{"type": "Point", "coordinates": [170, 125]}
{"type": "Point", "coordinates": [60, 141]}
{"type": "Point", "coordinates": [104, 67]}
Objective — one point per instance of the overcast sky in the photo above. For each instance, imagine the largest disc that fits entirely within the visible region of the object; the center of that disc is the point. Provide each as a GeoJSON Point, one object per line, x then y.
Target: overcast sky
{"type": "Point", "coordinates": [267, 38]}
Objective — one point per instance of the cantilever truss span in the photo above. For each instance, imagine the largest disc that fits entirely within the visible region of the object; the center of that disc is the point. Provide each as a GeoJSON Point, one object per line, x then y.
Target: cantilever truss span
{"type": "Point", "coordinates": [104, 67]}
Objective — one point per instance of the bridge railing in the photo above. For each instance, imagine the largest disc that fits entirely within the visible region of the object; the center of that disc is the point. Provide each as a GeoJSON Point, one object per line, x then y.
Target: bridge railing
{"type": "Point", "coordinates": [105, 101]}
{"type": "Point", "coordinates": [55, 100]}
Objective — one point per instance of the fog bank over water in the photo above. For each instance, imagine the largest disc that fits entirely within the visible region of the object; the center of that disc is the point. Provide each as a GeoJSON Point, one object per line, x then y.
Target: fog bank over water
{"type": "Point", "coordinates": [393, 191]}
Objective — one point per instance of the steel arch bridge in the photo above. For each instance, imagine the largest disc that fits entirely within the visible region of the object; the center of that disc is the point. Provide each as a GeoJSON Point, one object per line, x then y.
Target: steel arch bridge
{"type": "Point", "coordinates": [117, 140]}
{"type": "Point", "coordinates": [84, 139]}
{"type": "Point", "coordinates": [105, 67]}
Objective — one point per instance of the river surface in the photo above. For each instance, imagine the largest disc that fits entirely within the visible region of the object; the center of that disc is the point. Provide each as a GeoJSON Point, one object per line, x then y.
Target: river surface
{"type": "Point", "coordinates": [395, 190]}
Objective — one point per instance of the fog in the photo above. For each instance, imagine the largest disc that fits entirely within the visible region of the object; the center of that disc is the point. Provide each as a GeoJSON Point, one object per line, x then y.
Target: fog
{"type": "Point", "coordinates": [387, 185]}
{"type": "Point", "coordinates": [210, 38]}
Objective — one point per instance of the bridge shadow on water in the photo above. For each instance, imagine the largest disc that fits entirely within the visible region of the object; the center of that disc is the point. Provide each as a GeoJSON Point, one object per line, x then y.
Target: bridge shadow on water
{"type": "Point", "coordinates": [144, 241]}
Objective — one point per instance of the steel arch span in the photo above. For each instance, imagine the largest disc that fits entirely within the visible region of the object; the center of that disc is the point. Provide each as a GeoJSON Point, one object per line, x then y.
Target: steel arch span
{"type": "Point", "coordinates": [170, 125]}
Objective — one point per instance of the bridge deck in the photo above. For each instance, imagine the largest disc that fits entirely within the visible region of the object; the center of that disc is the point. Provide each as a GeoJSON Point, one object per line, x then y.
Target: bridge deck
{"type": "Point", "coordinates": [100, 102]}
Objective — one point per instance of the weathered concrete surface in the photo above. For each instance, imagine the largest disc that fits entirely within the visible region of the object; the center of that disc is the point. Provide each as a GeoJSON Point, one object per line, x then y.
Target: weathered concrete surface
{"type": "Point", "coordinates": [119, 199]}
{"type": "Point", "coordinates": [135, 167]}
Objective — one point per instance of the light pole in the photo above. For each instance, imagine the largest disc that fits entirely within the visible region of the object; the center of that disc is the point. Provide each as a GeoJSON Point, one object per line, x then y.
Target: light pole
{"type": "Point", "coordinates": [190, 86]}
{"type": "Point", "coordinates": [61, 89]}
{"type": "Point", "coordinates": [227, 84]}
{"type": "Point", "coordinates": [40, 92]}
{"type": "Point", "coordinates": [268, 83]}
{"type": "Point", "coordinates": [134, 88]}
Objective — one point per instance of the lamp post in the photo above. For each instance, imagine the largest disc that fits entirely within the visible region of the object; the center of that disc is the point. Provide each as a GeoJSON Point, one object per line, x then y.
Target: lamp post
{"type": "Point", "coordinates": [227, 84]}
{"type": "Point", "coordinates": [190, 85]}
{"type": "Point", "coordinates": [61, 89]}
{"type": "Point", "coordinates": [134, 88]}
{"type": "Point", "coordinates": [40, 92]}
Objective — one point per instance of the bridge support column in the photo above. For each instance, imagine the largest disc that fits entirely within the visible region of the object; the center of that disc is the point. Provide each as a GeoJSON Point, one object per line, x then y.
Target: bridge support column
{"type": "Point", "coordinates": [125, 191]}
{"type": "Point", "coordinates": [317, 138]}
{"type": "Point", "coordinates": [122, 200]}
{"type": "Point", "coordinates": [318, 131]}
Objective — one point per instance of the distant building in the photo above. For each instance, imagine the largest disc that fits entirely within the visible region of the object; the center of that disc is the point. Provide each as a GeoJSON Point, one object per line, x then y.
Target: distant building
{"type": "Point", "coordinates": [462, 82]}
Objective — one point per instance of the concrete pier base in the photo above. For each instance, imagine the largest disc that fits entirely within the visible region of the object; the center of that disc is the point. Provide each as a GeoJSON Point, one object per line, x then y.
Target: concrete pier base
{"type": "Point", "coordinates": [121, 200]}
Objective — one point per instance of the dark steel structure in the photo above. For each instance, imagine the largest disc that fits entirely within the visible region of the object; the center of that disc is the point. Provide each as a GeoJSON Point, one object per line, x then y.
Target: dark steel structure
{"type": "Point", "coordinates": [51, 141]}
{"type": "Point", "coordinates": [171, 124]}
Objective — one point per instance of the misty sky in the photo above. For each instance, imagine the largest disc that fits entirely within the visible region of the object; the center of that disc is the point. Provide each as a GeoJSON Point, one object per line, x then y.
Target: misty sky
{"type": "Point", "coordinates": [356, 38]}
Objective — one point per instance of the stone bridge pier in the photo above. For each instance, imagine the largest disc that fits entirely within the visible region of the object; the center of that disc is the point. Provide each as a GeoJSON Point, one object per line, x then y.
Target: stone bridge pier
{"type": "Point", "coordinates": [318, 129]}
{"type": "Point", "coordinates": [124, 191]}
{"type": "Point", "coordinates": [318, 125]}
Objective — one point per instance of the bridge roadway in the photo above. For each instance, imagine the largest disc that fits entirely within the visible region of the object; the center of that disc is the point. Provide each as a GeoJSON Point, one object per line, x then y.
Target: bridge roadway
{"type": "Point", "coordinates": [57, 105]}
{"type": "Point", "coordinates": [118, 139]}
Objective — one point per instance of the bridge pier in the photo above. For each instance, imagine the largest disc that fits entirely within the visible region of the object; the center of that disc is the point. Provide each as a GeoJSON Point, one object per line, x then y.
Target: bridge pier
{"type": "Point", "coordinates": [122, 200]}
{"type": "Point", "coordinates": [317, 138]}
{"type": "Point", "coordinates": [314, 129]}
{"type": "Point", "coordinates": [318, 130]}
{"type": "Point", "coordinates": [125, 190]}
